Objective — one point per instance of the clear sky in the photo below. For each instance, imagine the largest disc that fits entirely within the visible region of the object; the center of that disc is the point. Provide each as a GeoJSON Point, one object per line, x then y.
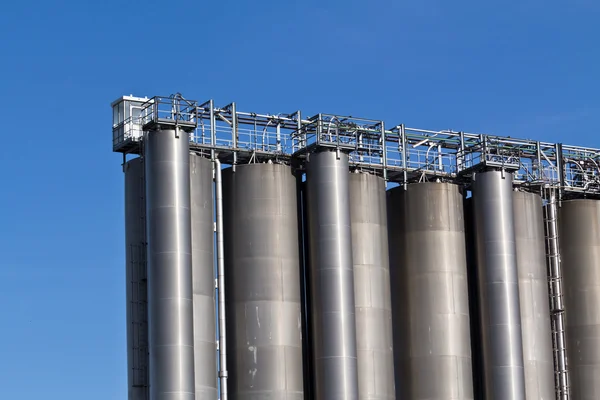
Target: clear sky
{"type": "Point", "coordinates": [521, 68]}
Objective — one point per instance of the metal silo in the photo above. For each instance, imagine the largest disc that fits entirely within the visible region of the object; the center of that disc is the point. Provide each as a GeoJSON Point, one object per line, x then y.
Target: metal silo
{"type": "Point", "coordinates": [170, 304]}
{"type": "Point", "coordinates": [264, 331]}
{"type": "Point", "coordinates": [136, 284]}
{"type": "Point", "coordinates": [203, 277]}
{"type": "Point", "coordinates": [533, 295]}
{"type": "Point", "coordinates": [371, 287]}
{"type": "Point", "coordinates": [579, 228]}
{"type": "Point", "coordinates": [331, 278]}
{"type": "Point", "coordinates": [502, 344]}
{"type": "Point", "coordinates": [429, 237]}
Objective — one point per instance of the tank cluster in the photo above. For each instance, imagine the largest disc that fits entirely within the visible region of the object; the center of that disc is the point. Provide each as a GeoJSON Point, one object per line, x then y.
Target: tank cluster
{"type": "Point", "coordinates": [267, 280]}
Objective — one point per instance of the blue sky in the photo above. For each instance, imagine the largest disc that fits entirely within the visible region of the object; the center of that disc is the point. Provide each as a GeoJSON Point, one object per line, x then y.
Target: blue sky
{"type": "Point", "coordinates": [525, 69]}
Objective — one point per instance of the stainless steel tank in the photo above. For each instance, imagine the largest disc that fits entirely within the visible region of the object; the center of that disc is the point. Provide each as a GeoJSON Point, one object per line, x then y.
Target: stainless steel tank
{"type": "Point", "coordinates": [170, 304]}
{"type": "Point", "coordinates": [264, 331]}
{"type": "Point", "coordinates": [331, 278]}
{"type": "Point", "coordinates": [533, 295]}
{"type": "Point", "coordinates": [579, 235]}
{"type": "Point", "coordinates": [203, 277]}
{"type": "Point", "coordinates": [502, 344]}
{"type": "Point", "coordinates": [135, 278]}
{"type": "Point", "coordinates": [371, 287]}
{"type": "Point", "coordinates": [432, 305]}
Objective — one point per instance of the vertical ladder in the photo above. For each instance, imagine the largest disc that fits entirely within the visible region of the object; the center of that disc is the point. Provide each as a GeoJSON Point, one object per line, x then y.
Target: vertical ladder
{"type": "Point", "coordinates": [139, 301]}
{"type": "Point", "coordinates": [557, 311]}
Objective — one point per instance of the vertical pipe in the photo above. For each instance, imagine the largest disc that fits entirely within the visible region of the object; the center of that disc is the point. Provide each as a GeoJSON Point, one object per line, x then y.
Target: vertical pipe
{"type": "Point", "coordinates": [304, 280]}
{"type": "Point", "coordinates": [372, 287]}
{"type": "Point", "coordinates": [556, 297]}
{"type": "Point", "coordinates": [579, 228]}
{"type": "Point", "coordinates": [533, 295]}
{"type": "Point", "coordinates": [221, 281]}
{"type": "Point", "coordinates": [170, 304]}
{"type": "Point", "coordinates": [332, 278]}
{"type": "Point", "coordinates": [203, 277]}
{"type": "Point", "coordinates": [136, 283]}
{"type": "Point", "coordinates": [498, 286]}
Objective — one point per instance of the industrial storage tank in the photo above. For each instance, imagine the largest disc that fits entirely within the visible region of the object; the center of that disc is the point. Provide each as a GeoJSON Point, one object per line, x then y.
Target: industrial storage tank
{"type": "Point", "coordinates": [135, 279]}
{"type": "Point", "coordinates": [533, 295]}
{"type": "Point", "coordinates": [203, 277]}
{"type": "Point", "coordinates": [579, 235]}
{"type": "Point", "coordinates": [170, 303]}
{"type": "Point", "coordinates": [498, 289]}
{"type": "Point", "coordinates": [331, 275]}
{"type": "Point", "coordinates": [371, 287]}
{"type": "Point", "coordinates": [264, 332]}
{"type": "Point", "coordinates": [429, 282]}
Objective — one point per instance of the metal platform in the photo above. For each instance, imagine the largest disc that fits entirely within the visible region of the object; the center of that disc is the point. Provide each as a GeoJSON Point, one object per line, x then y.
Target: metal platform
{"type": "Point", "coordinates": [398, 153]}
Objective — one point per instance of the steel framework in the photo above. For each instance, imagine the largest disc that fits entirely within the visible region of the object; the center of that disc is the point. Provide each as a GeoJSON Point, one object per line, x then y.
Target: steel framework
{"type": "Point", "coordinates": [398, 153]}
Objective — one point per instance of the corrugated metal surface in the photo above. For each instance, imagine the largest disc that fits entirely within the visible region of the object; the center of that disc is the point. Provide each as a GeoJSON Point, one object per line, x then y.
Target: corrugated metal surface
{"type": "Point", "coordinates": [498, 286]}
{"type": "Point", "coordinates": [332, 278]}
{"type": "Point", "coordinates": [431, 305]}
{"type": "Point", "coordinates": [264, 331]}
{"type": "Point", "coordinates": [579, 228]}
{"type": "Point", "coordinates": [135, 277]}
{"type": "Point", "coordinates": [371, 287]}
{"type": "Point", "coordinates": [533, 294]}
{"type": "Point", "coordinates": [203, 277]}
{"type": "Point", "coordinates": [170, 305]}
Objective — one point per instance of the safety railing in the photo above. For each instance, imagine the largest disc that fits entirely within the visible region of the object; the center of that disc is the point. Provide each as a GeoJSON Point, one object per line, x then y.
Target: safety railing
{"type": "Point", "coordinates": [416, 153]}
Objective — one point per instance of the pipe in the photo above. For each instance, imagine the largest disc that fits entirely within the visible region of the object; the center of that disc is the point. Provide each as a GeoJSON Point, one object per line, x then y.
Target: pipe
{"type": "Point", "coordinates": [556, 297]}
{"type": "Point", "coordinates": [221, 281]}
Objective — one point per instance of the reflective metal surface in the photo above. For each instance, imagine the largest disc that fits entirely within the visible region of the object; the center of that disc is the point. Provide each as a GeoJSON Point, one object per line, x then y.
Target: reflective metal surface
{"type": "Point", "coordinates": [203, 277]}
{"type": "Point", "coordinates": [331, 278]}
{"type": "Point", "coordinates": [170, 309]}
{"type": "Point", "coordinates": [579, 227]}
{"type": "Point", "coordinates": [431, 305]}
{"type": "Point", "coordinates": [135, 278]}
{"type": "Point", "coordinates": [264, 332]}
{"type": "Point", "coordinates": [502, 342]}
{"type": "Point", "coordinates": [371, 287]}
{"type": "Point", "coordinates": [533, 294]}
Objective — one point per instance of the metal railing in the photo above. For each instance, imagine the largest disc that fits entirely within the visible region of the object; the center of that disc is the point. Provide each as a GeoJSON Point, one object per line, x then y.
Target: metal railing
{"type": "Point", "coordinates": [399, 154]}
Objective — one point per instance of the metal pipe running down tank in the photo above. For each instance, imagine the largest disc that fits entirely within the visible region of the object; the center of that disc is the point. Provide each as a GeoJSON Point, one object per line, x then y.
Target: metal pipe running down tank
{"type": "Point", "coordinates": [579, 227]}
{"type": "Point", "coordinates": [170, 299]}
{"type": "Point", "coordinates": [533, 296]}
{"type": "Point", "coordinates": [221, 281]}
{"type": "Point", "coordinates": [332, 277]}
{"type": "Point", "coordinates": [502, 342]}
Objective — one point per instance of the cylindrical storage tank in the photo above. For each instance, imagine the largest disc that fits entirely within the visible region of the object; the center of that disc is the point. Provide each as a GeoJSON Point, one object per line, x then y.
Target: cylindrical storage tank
{"type": "Point", "coordinates": [170, 304]}
{"type": "Point", "coordinates": [579, 235]}
{"type": "Point", "coordinates": [264, 331]}
{"type": "Point", "coordinates": [533, 295]}
{"type": "Point", "coordinates": [203, 277]}
{"type": "Point", "coordinates": [331, 278]}
{"type": "Point", "coordinates": [136, 284]}
{"type": "Point", "coordinates": [430, 268]}
{"type": "Point", "coordinates": [502, 344]}
{"type": "Point", "coordinates": [371, 287]}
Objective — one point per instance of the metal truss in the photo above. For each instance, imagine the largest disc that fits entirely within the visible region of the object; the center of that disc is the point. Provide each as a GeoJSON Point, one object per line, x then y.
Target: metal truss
{"type": "Point", "coordinates": [399, 153]}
